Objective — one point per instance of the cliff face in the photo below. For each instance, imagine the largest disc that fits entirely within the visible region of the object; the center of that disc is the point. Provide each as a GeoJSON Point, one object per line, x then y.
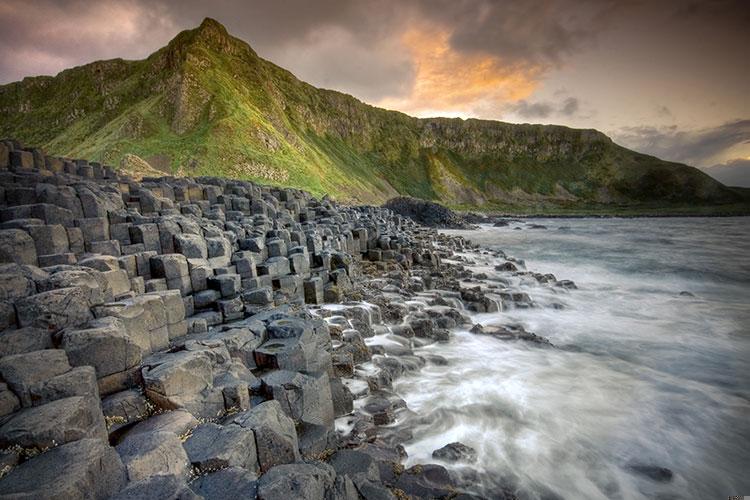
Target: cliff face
{"type": "Point", "coordinates": [207, 104]}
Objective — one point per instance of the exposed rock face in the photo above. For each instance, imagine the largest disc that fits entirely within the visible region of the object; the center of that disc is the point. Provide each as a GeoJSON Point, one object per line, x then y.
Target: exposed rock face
{"type": "Point", "coordinates": [427, 213]}
{"type": "Point", "coordinates": [245, 334]}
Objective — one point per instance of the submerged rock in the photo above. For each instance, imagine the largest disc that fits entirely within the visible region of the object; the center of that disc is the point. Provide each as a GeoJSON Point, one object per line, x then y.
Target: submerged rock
{"type": "Point", "coordinates": [653, 472]}
{"type": "Point", "coordinates": [511, 332]}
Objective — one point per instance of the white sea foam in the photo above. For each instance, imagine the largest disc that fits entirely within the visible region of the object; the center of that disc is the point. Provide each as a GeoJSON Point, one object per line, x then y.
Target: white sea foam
{"type": "Point", "coordinates": [640, 375]}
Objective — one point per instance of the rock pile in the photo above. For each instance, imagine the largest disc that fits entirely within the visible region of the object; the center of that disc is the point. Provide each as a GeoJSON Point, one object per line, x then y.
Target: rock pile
{"type": "Point", "coordinates": [427, 213]}
{"type": "Point", "coordinates": [211, 338]}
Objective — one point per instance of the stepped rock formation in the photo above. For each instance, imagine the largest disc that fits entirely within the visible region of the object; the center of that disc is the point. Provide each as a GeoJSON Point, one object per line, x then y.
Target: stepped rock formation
{"type": "Point", "coordinates": [207, 104]}
{"type": "Point", "coordinates": [208, 338]}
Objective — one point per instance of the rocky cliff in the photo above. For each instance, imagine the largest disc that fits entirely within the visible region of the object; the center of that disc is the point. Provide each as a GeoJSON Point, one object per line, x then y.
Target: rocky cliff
{"type": "Point", "coordinates": [206, 104]}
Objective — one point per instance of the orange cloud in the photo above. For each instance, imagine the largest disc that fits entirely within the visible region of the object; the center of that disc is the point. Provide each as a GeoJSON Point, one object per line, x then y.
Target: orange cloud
{"type": "Point", "coordinates": [451, 83]}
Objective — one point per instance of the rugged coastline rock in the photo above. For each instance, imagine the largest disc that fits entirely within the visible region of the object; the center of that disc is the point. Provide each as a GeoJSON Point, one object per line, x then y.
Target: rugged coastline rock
{"type": "Point", "coordinates": [215, 338]}
{"type": "Point", "coordinates": [427, 213]}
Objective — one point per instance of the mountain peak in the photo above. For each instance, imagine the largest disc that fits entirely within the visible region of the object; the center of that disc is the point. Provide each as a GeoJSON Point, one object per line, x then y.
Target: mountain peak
{"type": "Point", "coordinates": [211, 26]}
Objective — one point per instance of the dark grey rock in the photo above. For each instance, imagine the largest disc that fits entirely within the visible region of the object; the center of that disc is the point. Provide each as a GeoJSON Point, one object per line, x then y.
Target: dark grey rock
{"type": "Point", "coordinates": [92, 469]}
{"type": "Point", "coordinates": [227, 484]}
{"type": "Point", "coordinates": [212, 447]}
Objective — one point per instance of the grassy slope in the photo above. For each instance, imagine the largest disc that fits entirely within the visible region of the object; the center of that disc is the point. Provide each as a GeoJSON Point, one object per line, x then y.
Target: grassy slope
{"type": "Point", "coordinates": [207, 104]}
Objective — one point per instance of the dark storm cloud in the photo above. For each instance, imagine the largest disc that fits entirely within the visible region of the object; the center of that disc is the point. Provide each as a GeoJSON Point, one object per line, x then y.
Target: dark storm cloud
{"type": "Point", "coordinates": [692, 147]}
{"type": "Point", "coordinates": [466, 57]}
{"type": "Point", "coordinates": [59, 32]}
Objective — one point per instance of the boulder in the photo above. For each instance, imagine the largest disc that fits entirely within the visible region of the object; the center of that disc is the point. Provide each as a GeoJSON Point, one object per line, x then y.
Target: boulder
{"type": "Point", "coordinates": [17, 246]}
{"type": "Point", "coordinates": [124, 408]}
{"type": "Point", "coordinates": [52, 239]}
{"type": "Point", "coordinates": [55, 309]}
{"type": "Point", "coordinates": [80, 381]}
{"type": "Point", "coordinates": [134, 320]}
{"type": "Point", "coordinates": [426, 481]}
{"type": "Point", "coordinates": [355, 464]}
{"type": "Point", "coordinates": [229, 285]}
{"type": "Point", "coordinates": [304, 398]}
{"type": "Point", "coordinates": [92, 470]}
{"type": "Point", "coordinates": [275, 435]}
{"type": "Point", "coordinates": [310, 481]}
{"type": "Point", "coordinates": [169, 266]}
{"type": "Point", "coordinates": [241, 342]}
{"type": "Point", "coordinates": [191, 246]}
{"type": "Point", "coordinates": [153, 454]}
{"type": "Point", "coordinates": [55, 423]}
{"type": "Point", "coordinates": [455, 452]}
{"type": "Point", "coordinates": [23, 340]}
{"type": "Point", "coordinates": [14, 285]}
{"type": "Point", "coordinates": [93, 283]}
{"type": "Point", "coordinates": [184, 380]}
{"type": "Point", "coordinates": [227, 484]}
{"type": "Point", "coordinates": [105, 345]}
{"type": "Point", "coordinates": [158, 487]}
{"type": "Point", "coordinates": [212, 447]}
{"type": "Point", "coordinates": [178, 422]}
{"type": "Point", "coordinates": [9, 402]}
{"type": "Point", "coordinates": [23, 371]}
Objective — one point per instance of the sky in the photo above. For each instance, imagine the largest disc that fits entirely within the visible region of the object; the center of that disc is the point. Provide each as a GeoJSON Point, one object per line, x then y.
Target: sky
{"type": "Point", "coordinates": [664, 77]}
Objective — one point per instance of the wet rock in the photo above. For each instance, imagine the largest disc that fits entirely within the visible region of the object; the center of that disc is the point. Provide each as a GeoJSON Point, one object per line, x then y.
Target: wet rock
{"type": "Point", "coordinates": [506, 267]}
{"type": "Point", "coordinates": [355, 464]}
{"type": "Point", "coordinates": [426, 481]}
{"type": "Point", "coordinates": [343, 400]}
{"type": "Point", "coordinates": [653, 472]}
{"type": "Point", "coordinates": [510, 332]}
{"type": "Point", "coordinates": [566, 284]}
{"type": "Point", "coordinates": [456, 452]}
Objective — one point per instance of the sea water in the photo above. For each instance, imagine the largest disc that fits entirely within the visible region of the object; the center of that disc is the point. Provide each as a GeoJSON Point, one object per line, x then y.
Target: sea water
{"type": "Point", "coordinates": [646, 393]}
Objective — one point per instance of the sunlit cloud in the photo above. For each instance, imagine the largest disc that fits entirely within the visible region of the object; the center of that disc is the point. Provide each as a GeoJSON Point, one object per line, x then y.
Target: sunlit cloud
{"type": "Point", "coordinates": [452, 83]}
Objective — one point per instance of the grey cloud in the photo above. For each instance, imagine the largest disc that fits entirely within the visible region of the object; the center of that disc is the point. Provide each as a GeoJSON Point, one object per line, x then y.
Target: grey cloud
{"type": "Point", "coordinates": [531, 110]}
{"type": "Point", "coordinates": [47, 36]}
{"type": "Point", "coordinates": [662, 110]}
{"type": "Point", "coordinates": [692, 147]}
{"type": "Point", "coordinates": [543, 109]}
{"type": "Point", "coordinates": [732, 173]}
{"type": "Point", "coordinates": [297, 33]}
{"type": "Point", "coordinates": [570, 106]}
{"type": "Point", "coordinates": [539, 32]}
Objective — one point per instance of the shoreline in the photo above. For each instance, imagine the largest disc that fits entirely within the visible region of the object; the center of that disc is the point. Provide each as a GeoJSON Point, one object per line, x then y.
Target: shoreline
{"type": "Point", "coordinates": [180, 335]}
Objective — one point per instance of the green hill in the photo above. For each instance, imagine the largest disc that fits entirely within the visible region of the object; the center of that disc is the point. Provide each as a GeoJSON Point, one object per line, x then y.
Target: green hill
{"type": "Point", "coordinates": [207, 104]}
